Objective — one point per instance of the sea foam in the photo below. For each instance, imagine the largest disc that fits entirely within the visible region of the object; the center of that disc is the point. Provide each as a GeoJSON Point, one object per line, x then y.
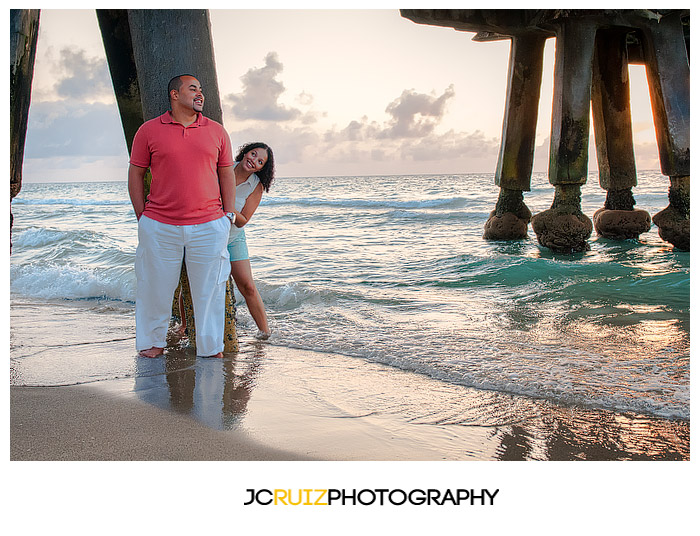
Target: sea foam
{"type": "Point", "coordinates": [52, 281]}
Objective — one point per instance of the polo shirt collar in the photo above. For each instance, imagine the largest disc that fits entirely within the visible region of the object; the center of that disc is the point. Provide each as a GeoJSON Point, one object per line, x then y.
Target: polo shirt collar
{"type": "Point", "coordinates": [168, 118]}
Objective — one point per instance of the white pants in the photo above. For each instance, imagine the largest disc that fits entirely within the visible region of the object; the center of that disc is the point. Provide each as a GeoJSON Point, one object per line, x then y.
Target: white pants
{"type": "Point", "coordinates": [158, 264]}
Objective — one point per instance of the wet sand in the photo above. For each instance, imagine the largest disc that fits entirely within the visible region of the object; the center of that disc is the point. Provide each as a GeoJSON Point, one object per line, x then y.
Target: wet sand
{"type": "Point", "coordinates": [271, 402]}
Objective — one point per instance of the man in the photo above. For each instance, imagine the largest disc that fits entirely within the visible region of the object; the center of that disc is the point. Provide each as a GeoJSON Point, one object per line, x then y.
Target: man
{"type": "Point", "coordinates": [191, 163]}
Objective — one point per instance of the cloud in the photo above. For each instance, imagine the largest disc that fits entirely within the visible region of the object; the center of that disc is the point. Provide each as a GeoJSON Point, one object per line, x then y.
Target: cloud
{"type": "Point", "coordinates": [436, 148]}
{"type": "Point", "coordinates": [84, 77]}
{"type": "Point", "coordinates": [448, 146]}
{"type": "Point", "coordinates": [412, 116]}
{"type": "Point", "coordinates": [69, 169]}
{"type": "Point", "coordinates": [305, 99]}
{"type": "Point", "coordinates": [358, 130]}
{"type": "Point", "coordinates": [410, 134]}
{"type": "Point", "coordinates": [260, 95]}
{"type": "Point", "coordinates": [78, 117]}
{"type": "Point", "coordinates": [408, 137]}
{"type": "Point", "coordinates": [72, 74]}
{"type": "Point", "coordinates": [73, 128]}
{"type": "Point", "coordinates": [416, 114]}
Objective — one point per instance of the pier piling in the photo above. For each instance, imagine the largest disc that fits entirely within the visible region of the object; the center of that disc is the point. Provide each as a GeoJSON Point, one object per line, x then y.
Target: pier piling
{"type": "Point", "coordinates": [593, 49]}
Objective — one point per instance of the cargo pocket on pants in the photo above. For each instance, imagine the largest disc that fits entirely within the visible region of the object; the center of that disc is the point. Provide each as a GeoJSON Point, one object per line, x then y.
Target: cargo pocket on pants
{"type": "Point", "coordinates": [224, 268]}
{"type": "Point", "coordinates": [139, 263]}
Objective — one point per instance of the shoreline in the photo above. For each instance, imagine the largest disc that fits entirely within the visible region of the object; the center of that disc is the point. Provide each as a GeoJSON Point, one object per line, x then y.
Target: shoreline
{"type": "Point", "coordinates": [272, 402]}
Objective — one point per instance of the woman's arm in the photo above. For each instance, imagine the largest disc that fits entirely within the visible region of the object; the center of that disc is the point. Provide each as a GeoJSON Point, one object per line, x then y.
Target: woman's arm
{"type": "Point", "coordinates": [251, 205]}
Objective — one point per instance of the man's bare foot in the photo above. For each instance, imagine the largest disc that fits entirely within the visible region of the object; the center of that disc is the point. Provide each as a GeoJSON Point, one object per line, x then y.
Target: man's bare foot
{"type": "Point", "coordinates": [151, 352]}
{"type": "Point", "coordinates": [220, 355]}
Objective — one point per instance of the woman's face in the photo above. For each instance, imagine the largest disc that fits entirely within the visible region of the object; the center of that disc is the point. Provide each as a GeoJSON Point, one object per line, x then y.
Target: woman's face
{"type": "Point", "coordinates": [254, 160]}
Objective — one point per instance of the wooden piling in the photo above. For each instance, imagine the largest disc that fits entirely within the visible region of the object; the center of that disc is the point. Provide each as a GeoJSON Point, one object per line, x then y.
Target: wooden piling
{"type": "Point", "coordinates": [612, 123]}
{"type": "Point", "coordinates": [668, 75]}
{"type": "Point", "coordinates": [564, 227]}
{"type": "Point", "coordinates": [24, 31]}
{"type": "Point", "coordinates": [511, 216]}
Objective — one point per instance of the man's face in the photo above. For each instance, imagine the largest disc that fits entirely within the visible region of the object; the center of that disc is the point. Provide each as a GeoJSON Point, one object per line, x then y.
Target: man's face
{"type": "Point", "coordinates": [190, 94]}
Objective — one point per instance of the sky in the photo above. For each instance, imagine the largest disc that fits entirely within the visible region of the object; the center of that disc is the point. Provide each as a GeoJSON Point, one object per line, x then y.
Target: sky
{"type": "Point", "coordinates": [333, 92]}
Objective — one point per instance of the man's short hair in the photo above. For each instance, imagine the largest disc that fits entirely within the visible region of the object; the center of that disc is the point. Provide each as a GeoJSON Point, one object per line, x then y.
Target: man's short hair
{"type": "Point", "coordinates": [176, 83]}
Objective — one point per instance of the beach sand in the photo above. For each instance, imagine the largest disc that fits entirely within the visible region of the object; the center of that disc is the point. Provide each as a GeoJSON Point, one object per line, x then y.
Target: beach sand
{"type": "Point", "coordinates": [271, 402]}
{"type": "Point", "coordinates": [85, 423]}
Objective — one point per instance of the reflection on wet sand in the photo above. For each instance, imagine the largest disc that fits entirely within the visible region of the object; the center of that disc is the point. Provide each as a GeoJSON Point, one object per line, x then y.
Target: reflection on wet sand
{"type": "Point", "coordinates": [596, 435]}
{"type": "Point", "coordinates": [355, 409]}
{"type": "Point", "coordinates": [214, 391]}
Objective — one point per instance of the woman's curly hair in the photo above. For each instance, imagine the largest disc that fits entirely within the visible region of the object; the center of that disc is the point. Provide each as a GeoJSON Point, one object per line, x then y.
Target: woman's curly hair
{"type": "Point", "coordinates": [267, 173]}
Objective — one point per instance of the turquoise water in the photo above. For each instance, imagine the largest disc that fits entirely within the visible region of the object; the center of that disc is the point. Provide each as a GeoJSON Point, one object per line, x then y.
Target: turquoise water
{"type": "Point", "coordinates": [394, 269]}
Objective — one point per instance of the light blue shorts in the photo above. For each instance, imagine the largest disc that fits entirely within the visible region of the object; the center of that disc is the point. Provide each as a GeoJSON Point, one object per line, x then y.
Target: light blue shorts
{"type": "Point", "coordinates": [237, 247]}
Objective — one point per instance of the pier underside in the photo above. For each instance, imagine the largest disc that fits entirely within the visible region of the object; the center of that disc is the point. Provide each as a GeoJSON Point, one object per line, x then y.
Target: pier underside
{"type": "Point", "coordinates": [594, 49]}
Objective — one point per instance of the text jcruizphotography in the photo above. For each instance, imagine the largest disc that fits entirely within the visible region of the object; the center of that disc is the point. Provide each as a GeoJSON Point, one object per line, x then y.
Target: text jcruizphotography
{"type": "Point", "coordinates": [367, 497]}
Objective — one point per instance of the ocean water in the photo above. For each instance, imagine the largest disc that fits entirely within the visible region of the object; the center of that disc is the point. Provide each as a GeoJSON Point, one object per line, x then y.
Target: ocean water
{"type": "Point", "coordinates": [394, 270]}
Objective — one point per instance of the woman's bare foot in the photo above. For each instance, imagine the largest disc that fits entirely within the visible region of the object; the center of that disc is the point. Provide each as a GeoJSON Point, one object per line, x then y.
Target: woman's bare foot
{"type": "Point", "coordinates": [151, 352]}
{"type": "Point", "coordinates": [263, 335]}
{"type": "Point", "coordinates": [181, 330]}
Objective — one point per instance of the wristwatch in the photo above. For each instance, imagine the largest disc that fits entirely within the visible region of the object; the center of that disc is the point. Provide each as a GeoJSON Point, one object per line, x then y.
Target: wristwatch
{"type": "Point", "coordinates": [231, 216]}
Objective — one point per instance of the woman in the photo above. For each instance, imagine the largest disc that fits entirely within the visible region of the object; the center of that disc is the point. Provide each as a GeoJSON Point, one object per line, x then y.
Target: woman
{"type": "Point", "coordinates": [254, 171]}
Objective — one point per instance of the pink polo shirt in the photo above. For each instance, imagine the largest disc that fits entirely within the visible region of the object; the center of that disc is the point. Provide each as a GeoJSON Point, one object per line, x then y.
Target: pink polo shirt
{"type": "Point", "coordinates": [183, 161]}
